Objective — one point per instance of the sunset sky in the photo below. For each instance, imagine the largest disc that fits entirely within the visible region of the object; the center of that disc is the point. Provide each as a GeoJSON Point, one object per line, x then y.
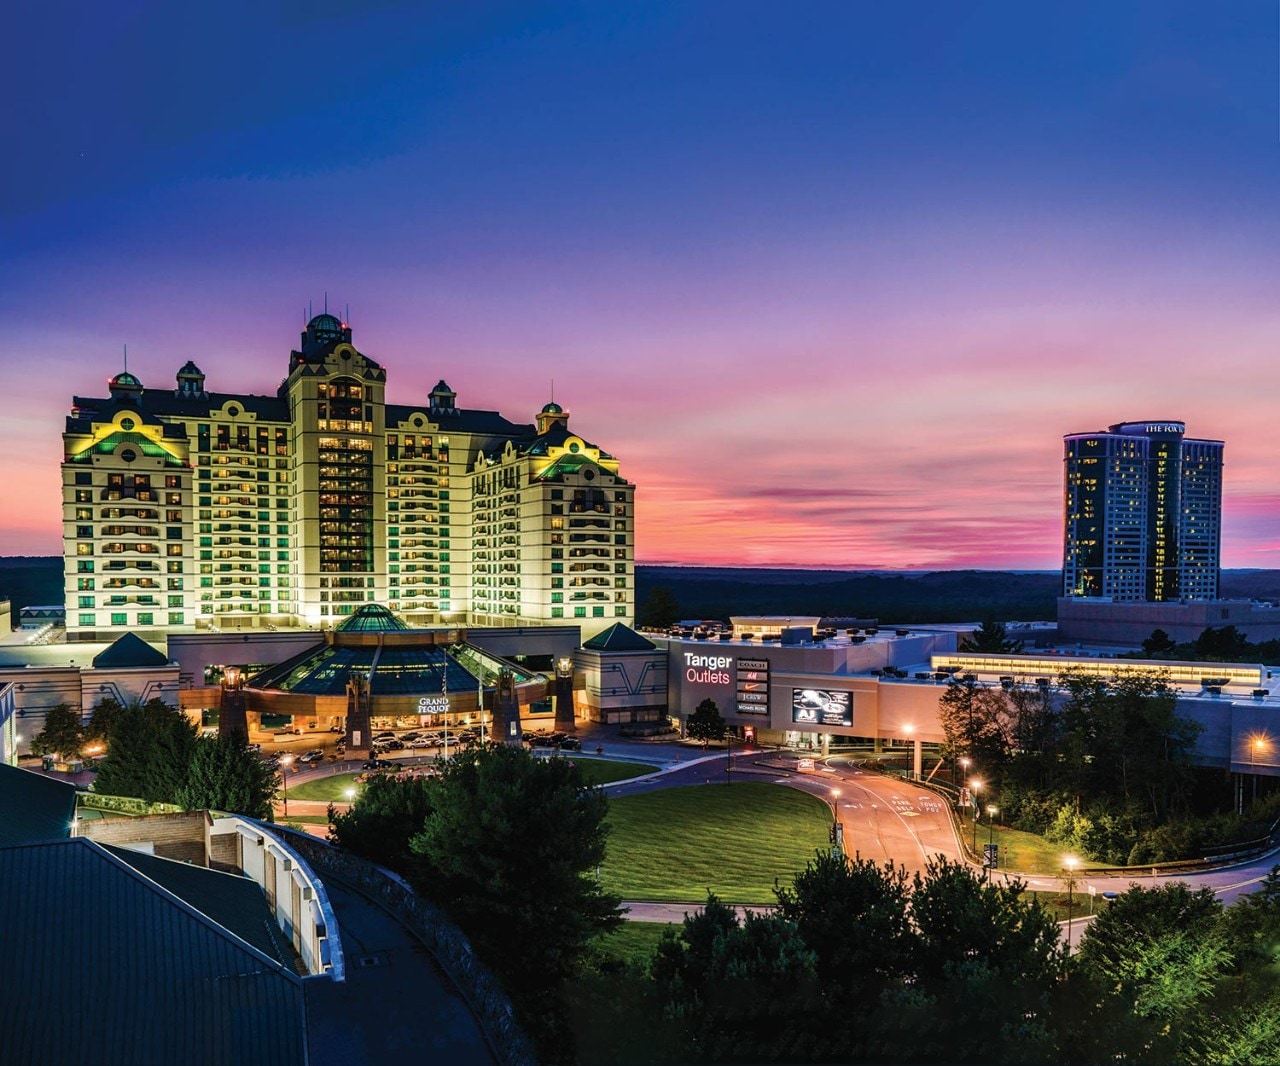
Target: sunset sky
{"type": "Point", "coordinates": [831, 279]}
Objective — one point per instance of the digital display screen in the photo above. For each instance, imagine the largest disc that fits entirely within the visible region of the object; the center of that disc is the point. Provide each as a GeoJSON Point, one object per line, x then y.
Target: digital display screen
{"type": "Point", "coordinates": [818, 706]}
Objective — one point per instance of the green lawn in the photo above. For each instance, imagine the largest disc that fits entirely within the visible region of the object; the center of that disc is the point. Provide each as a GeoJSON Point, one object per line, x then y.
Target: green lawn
{"type": "Point", "coordinates": [606, 771]}
{"type": "Point", "coordinates": [324, 789]}
{"type": "Point", "coordinates": [634, 941]}
{"type": "Point", "coordinates": [596, 771]}
{"type": "Point", "coordinates": [1025, 853]}
{"type": "Point", "coordinates": [732, 839]}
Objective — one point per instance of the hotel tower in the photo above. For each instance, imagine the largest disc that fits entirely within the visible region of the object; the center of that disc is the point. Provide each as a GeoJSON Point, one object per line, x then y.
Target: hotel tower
{"type": "Point", "coordinates": [1143, 514]}
{"type": "Point", "coordinates": [186, 508]}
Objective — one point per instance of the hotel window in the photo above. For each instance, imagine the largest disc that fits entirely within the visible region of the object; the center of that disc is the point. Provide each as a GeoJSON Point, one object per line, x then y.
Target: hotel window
{"type": "Point", "coordinates": [86, 601]}
{"type": "Point", "coordinates": [597, 612]}
{"type": "Point", "coordinates": [86, 619]}
{"type": "Point", "coordinates": [557, 612]}
{"type": "Point", "coordinates": [146, 618]}
{"type": "Point", "coordinates": [119, 619]}
{"type": "Point", "coordinates": [175, 618]}
{"type": "Point", "coordinates": [579, 612]}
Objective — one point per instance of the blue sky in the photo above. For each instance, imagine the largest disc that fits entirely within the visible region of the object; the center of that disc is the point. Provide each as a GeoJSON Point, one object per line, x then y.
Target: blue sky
{"type": "Point", "coordinates": [874, 260]}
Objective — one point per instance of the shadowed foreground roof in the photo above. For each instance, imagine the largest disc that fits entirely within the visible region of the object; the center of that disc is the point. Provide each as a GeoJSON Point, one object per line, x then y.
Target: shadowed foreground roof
{"type": "Point", "coordinates": [33, 807]}
{"type": "Point", "coordinates": [101, 965]}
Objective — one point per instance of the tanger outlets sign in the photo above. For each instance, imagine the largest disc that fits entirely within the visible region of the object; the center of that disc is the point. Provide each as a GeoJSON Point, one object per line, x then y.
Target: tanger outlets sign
{"type": "Point", "coordinates": [707, 669]}
{"type": "Point", "coordinates": [811, 706]}
{"type": "Point", "coordinates": [433, 705]}
{"type": "Point", "coordinates": [753, 686]}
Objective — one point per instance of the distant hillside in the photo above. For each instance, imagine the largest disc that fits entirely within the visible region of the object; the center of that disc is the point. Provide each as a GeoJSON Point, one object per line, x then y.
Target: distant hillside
{"type": "Point", "coordinates": [942, 596]}
{"type": "Point", "coordinates": [30, 580]}
{"type": "Point", "coordinates": [718, 592]}
{"type": "Point", "coordinates": [938, 596]}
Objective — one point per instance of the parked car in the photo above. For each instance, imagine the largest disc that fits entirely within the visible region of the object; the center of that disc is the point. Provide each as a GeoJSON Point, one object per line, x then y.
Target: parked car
{"type": "Point", "coordinates": [571, 744]}
{"type": "Point", "coordinates": [406, 737]}
{"type": "Point", "coordinates": [314, 755]}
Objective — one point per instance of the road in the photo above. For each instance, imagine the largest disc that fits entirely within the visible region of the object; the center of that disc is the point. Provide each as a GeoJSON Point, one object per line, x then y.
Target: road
{"type": "Point", "coordinates": [885, 818]}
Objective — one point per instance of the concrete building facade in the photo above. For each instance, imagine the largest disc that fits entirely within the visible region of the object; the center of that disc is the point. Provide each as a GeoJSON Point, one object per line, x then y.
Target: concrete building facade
{"type": "Point", "coordinates": [187, 508]}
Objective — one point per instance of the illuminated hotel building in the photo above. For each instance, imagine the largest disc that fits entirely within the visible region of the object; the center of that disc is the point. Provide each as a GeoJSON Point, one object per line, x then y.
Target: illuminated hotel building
{"type": "Point", "coordinates": [185, 508]}
{"type": "Point", "coordinates": [1143, 509]}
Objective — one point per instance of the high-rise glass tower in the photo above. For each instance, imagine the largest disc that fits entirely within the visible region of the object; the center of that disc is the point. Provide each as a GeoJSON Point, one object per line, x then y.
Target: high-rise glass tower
{"type": "Point", "coordinates": [1143, 514]}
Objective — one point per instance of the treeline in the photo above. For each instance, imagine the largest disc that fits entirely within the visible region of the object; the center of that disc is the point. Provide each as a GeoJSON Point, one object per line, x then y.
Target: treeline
{"type": "Point", "coordinates": [950, 596]}
{"type": "Point", "coordinates": [1220, 644]}
{"type": "Point", "coordinates": [1106, 771]}
{"type": "Point", "coordinates": [858, 964]}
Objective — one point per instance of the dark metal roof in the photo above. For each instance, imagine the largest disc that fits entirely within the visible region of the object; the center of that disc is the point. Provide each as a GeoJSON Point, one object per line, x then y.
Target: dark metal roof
{"type": "Point", "coordinates": [619, 637]}
{"type": "Point", "coordinates": [33, 807]}
{"type": "Point", "coordinates": [235, 903]}
{"type": "Point", "coordinates": [100, 964]}
{"type": "Point", "coordinates": [160, 402]}
{"type": "Point", "coordinates": [463, 421]}
{"type": "Point", "coordinates": [129, 650]}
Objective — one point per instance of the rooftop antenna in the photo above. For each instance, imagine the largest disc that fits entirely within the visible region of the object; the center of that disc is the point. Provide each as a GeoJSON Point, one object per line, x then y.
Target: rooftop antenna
{"type": "Point", "coordinates": [126, 359]}
{"type": "Point", "coordinates": [326, 303]}
{"type": "Point", "coordinates": [553, 390]}
{"type": "Point", "coordinates": [347, 320]}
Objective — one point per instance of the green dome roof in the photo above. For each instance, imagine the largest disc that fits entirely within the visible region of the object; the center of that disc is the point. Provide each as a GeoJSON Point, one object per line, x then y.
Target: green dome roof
{"type": "Point", "coordinates": [370, 618]}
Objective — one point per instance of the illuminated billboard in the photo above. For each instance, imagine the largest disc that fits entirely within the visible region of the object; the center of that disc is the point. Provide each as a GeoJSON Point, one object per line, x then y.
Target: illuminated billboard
{"type": "Point", "coordinates": [819, 706]}
{"type": "Point", "coordinates": [753, 686]}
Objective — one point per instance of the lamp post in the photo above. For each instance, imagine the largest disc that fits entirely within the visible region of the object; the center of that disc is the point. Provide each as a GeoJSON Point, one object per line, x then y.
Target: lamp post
{"type": "Point", "coordinates": [975, 786]}
{"type": "Point", "coordinates": [1258, 744]}
{"type": "Point", "coordinates": [1070, 862]}
{"type": "Point", "coordinates": [911, 752]}
{"type": "Point", "coordinates": [285, 762]}
{"type": "Point", "coordinates": [837, 830]}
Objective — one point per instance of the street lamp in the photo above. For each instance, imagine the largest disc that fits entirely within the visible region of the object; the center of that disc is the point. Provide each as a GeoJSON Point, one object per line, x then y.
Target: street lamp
{"type": "Point", "coordinates": [349, 794]}
{"type": "Point", "coordinates": [1070, 862]}
{"type": "Point", "coordinates": [1256, 746]}
{"type": "Point", "coordinates": [911, 761]}
{"type": "Point", "coordinates": [285, 762]}
{"type": "Point", "coordinates": [837, 831]}
{"type": "Point", "coordinates": [975, 786]}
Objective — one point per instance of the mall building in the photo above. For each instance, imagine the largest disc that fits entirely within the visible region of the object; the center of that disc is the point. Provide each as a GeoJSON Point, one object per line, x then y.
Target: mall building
{"type": "Point", "coordinates": [186, 508]}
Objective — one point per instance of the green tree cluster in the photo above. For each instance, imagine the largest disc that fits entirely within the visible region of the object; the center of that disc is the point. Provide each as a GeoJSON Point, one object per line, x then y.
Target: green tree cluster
{"type": "Point", "coordinates": [153, 753]}
{"type": "Point", "coordinates": [62, 733]}
{"type": "Point", "coordinates": [859, 963]}
{"type": "Point", "coordinates": [1106, 770]}
{"type": "Point", "coordinates": [224, 775]}
{"type": "Point", "coordinates": [509, 845]}
{"type": "Point", "coordinates": [149, 751]}
{"type": "Point", "coordinates": [856, 963]}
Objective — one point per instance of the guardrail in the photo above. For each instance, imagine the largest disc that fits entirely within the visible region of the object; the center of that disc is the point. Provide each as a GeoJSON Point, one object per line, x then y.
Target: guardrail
{"type": "Point", "coordinates": [446, 942]}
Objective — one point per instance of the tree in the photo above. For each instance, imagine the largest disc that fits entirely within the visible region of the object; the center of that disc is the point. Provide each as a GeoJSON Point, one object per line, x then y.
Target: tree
{"type": "Point", "coordinates": [1161, 951]}
{"type": "Point", "coordinates": [974, 720]}
{"type": "Point", "coordinates": [1159, 645]}
{"type": "Point", "coordinates": [744, 991]}
{"type": "Point", "coordinates": [225, 775]}
{"type": "Point", "coordinates": [105, 714]}
{"type": "Point", "coordinates": [1222, 645]}
{"type": "Point", "coordinates": [659, 610]}
{"type": "Point", "coordinates": [706, 723]}
{"type": "Point", "coordinates": [148, 753]}
{"type": "Point", "coordinates": [61, 733]}
{"type": "Point", "coordinates": [991, 638]}
{"type": "Point", "coordinates": [853, 914]}
{"type": "Point", "coordinates": [511, 849]}
{"type": "Point", "coordinates": [387, 814]}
